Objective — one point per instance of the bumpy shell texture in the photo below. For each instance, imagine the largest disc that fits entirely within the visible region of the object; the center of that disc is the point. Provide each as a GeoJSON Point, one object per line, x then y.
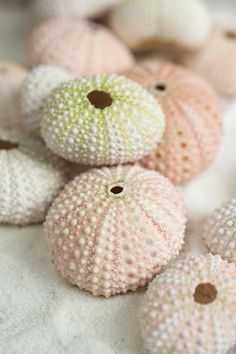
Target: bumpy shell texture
{"type": "Point", "coordinates": [30, 178]}
{"type": "Point", "coordinates": [191, 308]}
{"type": "Point", "coordinates": [102, 120]}
{"type": "Point", "coordinates": [220, 231]}
{"type": "Point", "coordinates": [44, 9]}
{"type": "Point", "coordinates": [193, 119]}
{"type": "Point", "coordinates": [81, 47]}
{"type": "Point", "coordinates": [222, 48]}
{"type": "Point", "coordinates": [146, 23]}
{"type": "Point", "coordinates": [37, 86]}
{"type": "Point", "coordinates": [112, 229]}
{"type": "Point", "coordinates": [11, 78]}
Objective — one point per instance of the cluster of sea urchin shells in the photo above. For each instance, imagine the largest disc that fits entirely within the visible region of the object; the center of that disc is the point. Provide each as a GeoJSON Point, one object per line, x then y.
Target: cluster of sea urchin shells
{"type": "Point", "coordinates": [114, 228]}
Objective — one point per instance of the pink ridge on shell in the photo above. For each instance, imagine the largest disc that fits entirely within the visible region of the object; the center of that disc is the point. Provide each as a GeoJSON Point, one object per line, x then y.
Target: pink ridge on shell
{"type": "Point", "coordinates": [81, 47]}
{"type": "Point", "coordinates": [112, 229]}
{"type": "Point", "coordinates": [193, 119]}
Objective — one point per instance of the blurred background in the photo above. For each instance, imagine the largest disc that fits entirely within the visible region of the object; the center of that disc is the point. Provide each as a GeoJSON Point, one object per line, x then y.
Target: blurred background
{"type": "Point", "coordinates": [17, 20]}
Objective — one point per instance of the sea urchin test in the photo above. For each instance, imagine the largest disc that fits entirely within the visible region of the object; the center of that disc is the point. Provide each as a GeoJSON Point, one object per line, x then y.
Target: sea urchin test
{"type": "Point", "coordinates": [102, 120]}
{"type": "Point", "coordinates": [112, 229]}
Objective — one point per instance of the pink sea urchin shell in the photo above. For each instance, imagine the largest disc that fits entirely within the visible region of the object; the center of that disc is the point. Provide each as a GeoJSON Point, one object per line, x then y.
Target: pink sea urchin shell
{"type": "Point", "coordinates": [81, 47]}
{"type": "Point", "coordinates": [112, 229]}
{"type": "Point", "coordinates": [191, 308]}
{"type": "Point", "coordinates": [220, 231]}
{"type": "Point", "coordinates": [193, 120]}
{"type": "Point", "coordinates": [11, 78]}
{"type": "Point", "coordinates": [216, 60]}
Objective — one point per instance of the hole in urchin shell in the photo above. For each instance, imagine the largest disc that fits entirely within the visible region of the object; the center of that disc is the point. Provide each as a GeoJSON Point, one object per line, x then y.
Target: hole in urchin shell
{"type": "Point", "coordinates": [230, 34]}
{"type": "Point", "coordinates": [116, 189]}
{"type": "Point", "coordinates": [205, 293]}
{"type": "Point", "coordinates": [7, 145]}
{"type": "Point", "coordinates": [161, 87]}
{"type": "Point", "coordinates": [100, 99]}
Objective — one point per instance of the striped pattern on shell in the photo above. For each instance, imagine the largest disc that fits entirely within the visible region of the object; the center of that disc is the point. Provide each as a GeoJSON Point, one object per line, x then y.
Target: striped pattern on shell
{"type": "Point", "coordinates": [44, 9]}
{"type": "Point", "coordinates": [30, 178]}
{"type": "Point", "coordinates": [191, 308]}
{"type": "Point", "coordinates": [220, 49]}
{"type": "Point", "coordinates": [112, 229]}
{"type": "Point", "coordinates": [193, 119]}
{"type": "Point", "coordinates": [102, 120]}
{"type": "Point", "coordinates": [11, 78]}
{"type": "Point", "coordinates": [220, 231]}
{"type": "Point", "coordinates": [36, 87]}
{"type": "Point", "coordinates": [148, 23]}
{"type": "Point", "coordinates": [81, 47]}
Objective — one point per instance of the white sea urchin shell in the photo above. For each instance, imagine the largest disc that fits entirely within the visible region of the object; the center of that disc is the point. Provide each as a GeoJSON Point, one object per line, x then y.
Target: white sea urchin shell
{"type": "Point", "coordinates": [191, 308]}
{"type": "Point", "coordinates": [143, 23]}
{"type": "Point", "coordinates": [220, 231]}
{"type": "Point", "coordinates": [30, 177]}
{"type": "Point", "coordinates": [112, 229]}
{"type": "Point", "coordinates": [36, 87]}
{"type": "Point", "coordinates": [102, 120]}
{"type": "Point", "coordinates": [44, 9]}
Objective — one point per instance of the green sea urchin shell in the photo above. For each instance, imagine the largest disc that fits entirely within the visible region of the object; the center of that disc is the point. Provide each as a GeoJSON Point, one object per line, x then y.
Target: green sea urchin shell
{"type": "Point", "coordinates": [102, 120]}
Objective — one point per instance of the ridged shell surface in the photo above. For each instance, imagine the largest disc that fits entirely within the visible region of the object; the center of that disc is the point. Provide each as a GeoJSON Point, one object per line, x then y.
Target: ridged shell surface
{"type": "Point", "coordinates": [36, 87]}
{"type": "Point", "coordinates": [220, 231]}
{"type": "Point", "coordinates": [30, 177]}
{"type": "Point", "coordinates": [147, 23]}
{"type": "Point", "coordinates": [44, 9]}
{"type": "Point", "coordinates": [193, 119]}
{"type": "Point", "coordinates": [81, 47]}
{"type": "Point", "coordinates": [102, 120]}
{"type": "Point", "coordinates": [220, 49]}
{"type": "Point", "coordinates": [11, 78]}
{"type": "Point", "coordinates": [112, 229]}
{"type": "Point", "coordinates": [191, 308]}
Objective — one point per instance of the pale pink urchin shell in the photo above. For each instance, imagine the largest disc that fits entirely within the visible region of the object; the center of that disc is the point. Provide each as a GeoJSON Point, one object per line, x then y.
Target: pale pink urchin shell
{"type": "Point", "coordinates": [220, 231]}
{"type": "Point", "coordinates": [216, 60]}
{"type": "Point", "coordinates": [191, 308]}
{"type": "Point", "coordinates": [112, 229]}
{"type": "Point", "coordinates": [81, 47]}
{"type": "Point", "coordinates": [11, 78]}
{"type": "Point", "coordinates": [193, 119]}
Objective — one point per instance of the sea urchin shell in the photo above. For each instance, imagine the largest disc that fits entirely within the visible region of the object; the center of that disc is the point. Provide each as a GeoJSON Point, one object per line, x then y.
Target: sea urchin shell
{"type": "Point", "coordinates": [220, 231]}
{"type": "Point", "coordinates": [44, 9]}
{"type": "Point", "coordinates": [220, 49]}
{"type": "Point", "coordinates": [191, 308]}
{"type": "Point", "coordinates": [81, 47]}
{"type": "Point", "coordinates": [193, 119]}
{"type": "Point", "coordinates": [30, 178]}
{"type": "Point", "coordinates": [36, 87]}
{"type": "Point", "coordinates": [148, 23]}
{"type": "Point", "coordinates": [102, 120]}
{"type": "Point", "coordinates": [112, 229]}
